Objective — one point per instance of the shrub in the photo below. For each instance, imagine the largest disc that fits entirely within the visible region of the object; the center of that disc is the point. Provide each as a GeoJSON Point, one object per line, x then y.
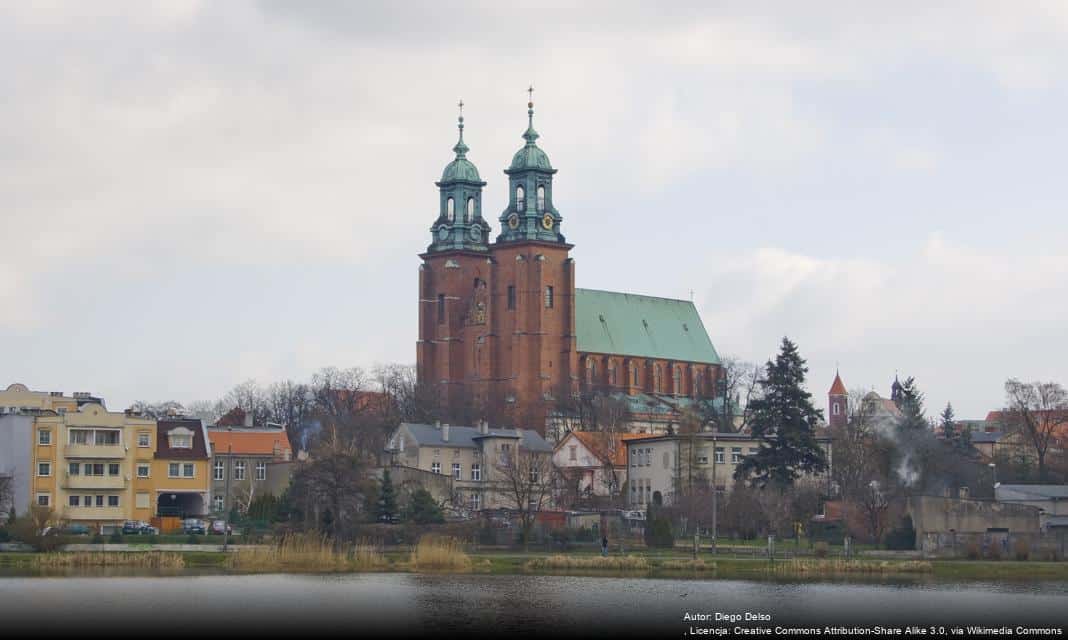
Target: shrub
{"type": "Point", "coordinates": [1022, 550]}
{"type": "Point", "coordinates": [115, 538]}
{"type": "Point", "coordinates": [820, 549]}
{"type": "Point", "coordinates": [97, 539]}
{"type": "Point", "coordinates": [658, 534]}
{"type": "Point", "coordinates": [192, 539]}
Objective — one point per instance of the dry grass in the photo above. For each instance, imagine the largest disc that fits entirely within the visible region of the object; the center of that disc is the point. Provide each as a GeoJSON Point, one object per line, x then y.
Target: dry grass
{"type": "Point", "coordinates": [688, 565]}
{"type": "Point", "coordinates": [146, 560]}
{"type": "Point", "coordinates": [601, 563]}
{"type": "Point", "coordinates": [307, 552]}
{"type": "Point", "coordinates": [435, 553]}
{"type": "Point", "coordinates": [809, 567]}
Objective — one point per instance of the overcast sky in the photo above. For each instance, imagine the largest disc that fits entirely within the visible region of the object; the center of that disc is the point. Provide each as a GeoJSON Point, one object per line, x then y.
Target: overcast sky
{"type": "Point", "coordinates": [195, 194]}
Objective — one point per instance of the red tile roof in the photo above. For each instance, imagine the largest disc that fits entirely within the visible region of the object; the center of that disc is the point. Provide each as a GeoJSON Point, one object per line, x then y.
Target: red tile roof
{"type": "Point", "coordinates": [837, 388]}
{"type": "Point", "coordinates": [259, 442]}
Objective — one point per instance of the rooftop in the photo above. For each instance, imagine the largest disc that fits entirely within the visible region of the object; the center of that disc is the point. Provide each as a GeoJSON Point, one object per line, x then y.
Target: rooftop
{"type": "Point", "coordinates": [467, 437]}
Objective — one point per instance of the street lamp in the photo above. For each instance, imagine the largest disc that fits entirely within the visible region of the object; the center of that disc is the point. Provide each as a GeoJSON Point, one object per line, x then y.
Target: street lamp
{"type": "Point", "coordinates": [994, 478]}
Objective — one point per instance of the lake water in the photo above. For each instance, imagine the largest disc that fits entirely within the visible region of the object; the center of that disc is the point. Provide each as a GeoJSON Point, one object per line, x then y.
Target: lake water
{"type": "Point", "coordinates": [414, 604]}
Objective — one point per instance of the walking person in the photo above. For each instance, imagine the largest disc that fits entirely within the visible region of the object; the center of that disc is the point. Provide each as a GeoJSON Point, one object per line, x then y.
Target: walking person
{"type": "Point", "coordinates": [604, 545]}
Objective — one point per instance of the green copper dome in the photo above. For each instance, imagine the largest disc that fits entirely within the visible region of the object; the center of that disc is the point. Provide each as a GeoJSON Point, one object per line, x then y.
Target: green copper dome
{"type": "Point", "coordinates": [530, 156]}
{"type": "Point", "coordinates": [460, 169]}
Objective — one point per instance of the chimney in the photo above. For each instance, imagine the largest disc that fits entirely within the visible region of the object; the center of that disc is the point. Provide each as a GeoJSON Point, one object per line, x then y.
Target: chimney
{"type": "Point", "coordinates": [483, 427]}
{"type": "Point", "coordinates": [437, 425]}
{"type": "Point", "coordinates": [248, 419]}
{"type": "Point", "coordinates": [445, 433]}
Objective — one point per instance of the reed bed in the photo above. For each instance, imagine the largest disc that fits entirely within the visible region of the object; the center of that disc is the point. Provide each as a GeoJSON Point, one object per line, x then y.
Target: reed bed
{"type": "Point", "coordinates": [434, 553]}
{"type": "Point", "coordinates": [144, 559]}
{"type": "Point", "coordinates": [307, 552]}
{"type": "Point", "coordinates": [809, 567]}
{"type": "Point", "coordinates": [600, 563]}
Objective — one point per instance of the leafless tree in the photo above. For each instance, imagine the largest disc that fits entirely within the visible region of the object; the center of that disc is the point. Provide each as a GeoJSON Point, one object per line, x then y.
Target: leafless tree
{"type": "Point", "coordinates": [1038, 412]}
{"type": "Point", "coordinates": [7, 494]}
{"type": "Point", "coordinates": [157, 410]}
{"type": "Point", "coordinates": [527, 483]}
{"type": "Point", "coordinates": [741, 379]}
{"type": "Point", "coordinates": [293, 405]}
{"type": "Point", "coordinates": [874, 503]}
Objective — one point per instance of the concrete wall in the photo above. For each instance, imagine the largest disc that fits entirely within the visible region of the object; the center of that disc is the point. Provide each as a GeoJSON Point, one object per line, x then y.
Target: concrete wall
{"type": "Point", "coordinates": [952, 526]}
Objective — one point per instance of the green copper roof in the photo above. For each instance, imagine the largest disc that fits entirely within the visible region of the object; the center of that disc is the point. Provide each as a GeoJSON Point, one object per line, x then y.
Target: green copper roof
{"type": "Point", "coordinates": [530, 156]}
{"type": "Point", "coordinates": [642, 326]}
{"type": "Point", "coordinates": [460, 169]}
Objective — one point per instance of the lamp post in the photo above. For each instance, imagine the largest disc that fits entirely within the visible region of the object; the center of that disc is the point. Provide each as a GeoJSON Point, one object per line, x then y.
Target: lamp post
{"type": "Point", "coordinates": [994, 478]}
{"type": "Point", "coordinates": [722, 384]}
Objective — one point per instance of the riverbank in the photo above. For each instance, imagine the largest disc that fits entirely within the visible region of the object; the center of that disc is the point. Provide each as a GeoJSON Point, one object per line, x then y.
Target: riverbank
{"type": "Point", "coordinates": [643, 563]}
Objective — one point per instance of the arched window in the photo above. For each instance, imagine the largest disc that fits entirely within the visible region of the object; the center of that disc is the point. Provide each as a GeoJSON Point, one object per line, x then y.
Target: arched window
{"type": "Point", "coordinates": [612, 372]}
{"type": "Point", "coordinates": [677, 380]}
{"type": "Point", "coordinates": [834, 408]}
{"type": "Point", "coordinates": [634, 376]}
{"type": "Point", "coordinates": [520, 203]}
{"type": "Point", "coordinates": [450, 210]}
{"type": "Point", "coordinates": [698, 380]}
{"type": "Point", "coordinates": [656, 379]}
{"type": "Point", "coordinates": [470, 210]}
{"type": "Point", "coordinates": [541, 198]}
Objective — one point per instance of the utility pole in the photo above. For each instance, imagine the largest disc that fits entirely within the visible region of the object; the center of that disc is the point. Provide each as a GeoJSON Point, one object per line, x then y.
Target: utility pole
{"type": "Point", "coordinates": [226, 497]}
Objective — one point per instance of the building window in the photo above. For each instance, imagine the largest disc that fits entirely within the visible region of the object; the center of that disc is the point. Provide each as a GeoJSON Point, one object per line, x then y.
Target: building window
{"type": "Point", "coordinates": [95, 469]}
{"type": "Point", "coordinates": [702, 456]}
{"type": "Point", "coordinates": [113, 501]}
{"type": "Point", "coordinates": [44, 469]}
{"type": "Point", "coordinates": [261, 470]}
{"type": "Point", "coordinates": [736, 455]}
{"type": "Point", "coordinates": [435, 467]}
{"type": "Point", "coordinates": [753, 451]}
{"type": "Point", "coordinates": [87, 501]}
{"type": "Point", "coordinates": [113, 469]}
{"type": "Point", "coordinates": [511, 296]}
{"type": "Point", "coordinates": [476, 472]}
{"type": "Point", "coordinates": [106, 438]}
{"type": "Point", "coordinates": [834, 408]}
{"type": "Point", "coordinates": [218, 503]}
{"type": "Point", "coordinates": [79, 436]}
{"type": "Point", "coordinates": [475, 501]}
{"type": "Point", "coordinates": [656, 379]}
{"type": "Point", "coordinates": [456, 470]}
{"type": "Point", "coordinates": [44, 437]}
{"type": "Point", "coordinates": [450, 209]}
{"type": "Point", "coordinates": [534, 476]}
{"type": "Point", "coordinates": [541, 198]}
{"type": "Point", "coordinates": [470, 210]}
{"type": "Point", "coordinates": [173, 470]}
{"type": "Point", "coordinates": [141, 501]}
{"type": "Point", "coordinates": [572, 452]}
{"type": "Point", "coordinates": [219, 470]}
{"type": "Point", "coordinates": [678, 380]}
{"type": "Point", "coordinates": [74, 469]}
{"type": "Point", "coordinates": [634, 376]}
{"type": "Point", "coordinates": [74, 501]}
{"type": "Point", "coordinates": [441, 308]}
{"type": "Point", "coordinates": [612, 372]}
{"type": "Point", "coordinates": [144, 439]}
{"type": "Point", "coordinates": [719, 455]}
{"type": "Point", "coordinates": [180, 440]}
{"type": "Point", "coordinates": [548, 297]}
{"type": "Point", "coordinates": [188, 470]}
{"type": "Point", "coordinates": [520, 198]}
{"type": "Point", "coordinates": [100, 501]}
{"type": "Point", "coordinates": [633, 457]}
{"type": "Point", "coordinates": [239, 470]}
{"type": "Point", "coordinates": [44, 499]}
{"type": "Point", "coordinates": [143, 470]}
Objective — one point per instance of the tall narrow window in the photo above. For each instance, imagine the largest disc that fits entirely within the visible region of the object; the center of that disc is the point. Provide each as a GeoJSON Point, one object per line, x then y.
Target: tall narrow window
{"type": "Point", "coordinates": [441, 308]}
{"type": "Point", "coordinates": [520, 199]}
{"type": "Point", "coordinates": [677, 381]}
{"type": "Point", "coordinates": [634, 376]}
{"type": "Point", "coordinates": [511, 296]}
{"type": "Point", "coordinates": [657, 379]}
{"type": "Point", "coordinates": [450, 210]}
{"type": "Point", "coordinates": [541, 198]}
{"type": "Point", "coordinates": [470, 210]}
{"type": "Point", "coordinates": [548, 297]}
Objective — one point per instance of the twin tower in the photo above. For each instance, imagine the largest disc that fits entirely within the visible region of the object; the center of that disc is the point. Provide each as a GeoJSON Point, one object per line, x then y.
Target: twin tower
{"type": "Point", "coordinates": [497, 319]}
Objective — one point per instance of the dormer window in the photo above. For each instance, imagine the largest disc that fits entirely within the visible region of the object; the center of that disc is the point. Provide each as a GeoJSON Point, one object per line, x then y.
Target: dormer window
{"type": "Point", "coordinates": [520, 198]}
{"type": "Point", "coordinates": [541, 198]}
{"type": "Point", "coordinates": [450, 210]}
{"type": "Point", "coordinates": [470, 210]}
{"type": "Point", "coordinates": [180, 438]}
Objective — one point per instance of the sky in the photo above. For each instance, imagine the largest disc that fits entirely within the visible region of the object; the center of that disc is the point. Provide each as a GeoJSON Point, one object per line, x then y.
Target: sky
{"type": "Point", "coordinates": [194, 194]}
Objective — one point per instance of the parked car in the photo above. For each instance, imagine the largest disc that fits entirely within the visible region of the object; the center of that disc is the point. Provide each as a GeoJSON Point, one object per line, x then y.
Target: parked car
{"type": "Point", "coordinates": [132, 527]}
{"type": "Point", "coordinates": [220, 527]}
{"type": "Point", "coordinates": [77, 530]}
{"type": "Point", "coordinates": [149, 530]}
{"type": "Point", "coordinates": [194, 525]}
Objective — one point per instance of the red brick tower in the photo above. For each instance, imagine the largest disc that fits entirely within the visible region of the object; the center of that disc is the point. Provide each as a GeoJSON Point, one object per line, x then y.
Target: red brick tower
{"type": "Point", "coordinates": [837, 403]}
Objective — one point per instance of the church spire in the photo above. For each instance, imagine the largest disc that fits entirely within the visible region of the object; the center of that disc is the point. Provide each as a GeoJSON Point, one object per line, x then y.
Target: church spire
{"type": "Point", "coordinates": [460, 225]}
{"type": "Point", "coordinates": [530, 135]}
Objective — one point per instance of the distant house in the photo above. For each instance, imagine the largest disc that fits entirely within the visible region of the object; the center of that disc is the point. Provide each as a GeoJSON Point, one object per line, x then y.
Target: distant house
{"type": "Point", "coordinates": [1050, 499]}
{"type": "Point", "coordinates": [180, 467]}
{"type": "Point", "coordinates": [986, 443]}
{"type": "Point", "coordinates": [477, 461]}
{"type": "Point", "coordinates": [595, 461]}
{"type": "Point", "coordinates": [246, 462]}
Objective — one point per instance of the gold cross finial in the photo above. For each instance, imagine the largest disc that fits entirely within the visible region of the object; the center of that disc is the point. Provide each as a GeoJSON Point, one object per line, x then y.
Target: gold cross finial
{"type": "Point", "coordinates": [530, 93]}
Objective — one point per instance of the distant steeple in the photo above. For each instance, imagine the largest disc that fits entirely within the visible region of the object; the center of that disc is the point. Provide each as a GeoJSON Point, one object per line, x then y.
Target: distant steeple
{"type": "Point", "coordinates": [460, 224]}
{"type": "Point", "coordinates": [837, 402]}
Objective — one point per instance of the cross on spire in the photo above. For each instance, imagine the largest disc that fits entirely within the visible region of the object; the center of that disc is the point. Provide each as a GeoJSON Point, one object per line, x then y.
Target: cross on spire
{"type": "Point", "coordinates": [530, 94]}
{"type": "Point", "coordinates": [461, 105]}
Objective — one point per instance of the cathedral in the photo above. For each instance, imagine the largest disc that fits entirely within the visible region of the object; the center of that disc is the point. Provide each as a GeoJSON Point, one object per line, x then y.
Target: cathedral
{"type": "Point", "coordinates": [505, 334]}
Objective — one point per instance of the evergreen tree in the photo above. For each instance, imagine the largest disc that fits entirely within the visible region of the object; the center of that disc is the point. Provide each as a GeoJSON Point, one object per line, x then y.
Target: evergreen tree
{"type": "Point", "coordinates": [387, 499]}
{"type": "Point", "coordinates": [911, 405]}
{"type": "Point", "coordinates": [423, 510]}
{"type": "Point", "coordinates": [783, 419]}
{"type": "Point", "coordinates": [949, 427]}
{"type": "Point", "coordinates": [11, 515]}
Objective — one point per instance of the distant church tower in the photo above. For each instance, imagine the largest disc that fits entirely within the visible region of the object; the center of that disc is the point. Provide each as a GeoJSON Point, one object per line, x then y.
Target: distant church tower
{"type": "Point", "coordinates": [837, 403]}
{"type": "Point", "coordinates": [497, 321]}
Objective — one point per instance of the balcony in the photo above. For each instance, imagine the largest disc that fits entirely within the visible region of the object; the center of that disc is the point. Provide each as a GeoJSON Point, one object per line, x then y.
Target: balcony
{"type": "Point", "coordinates": [96, 513]}
{"type": "Point", "coordinates": [93, 482]}
{"type": "Point", "coordinates": [100, 451]}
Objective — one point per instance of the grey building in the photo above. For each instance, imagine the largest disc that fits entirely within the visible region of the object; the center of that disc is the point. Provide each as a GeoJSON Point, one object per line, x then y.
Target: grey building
{"type": "Point", "coordinates": [15, 441]}
{"type": "Point", "coordinates": [247, 462]}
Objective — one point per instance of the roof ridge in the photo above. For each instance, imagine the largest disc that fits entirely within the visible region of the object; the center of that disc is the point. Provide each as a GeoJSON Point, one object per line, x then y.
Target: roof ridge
{"type": "Point", "coordinates": [637, 295]}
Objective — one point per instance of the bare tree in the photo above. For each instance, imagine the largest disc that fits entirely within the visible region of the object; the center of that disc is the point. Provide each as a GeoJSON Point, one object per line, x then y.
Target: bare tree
{"type": "Point", "coordinates": [527, 482]}
{"type": "Point", "coordinates": [293, 405]}
{"type": "Point", "coordinates": [874, 503]}
{"type": "Point", "coordinates": [1038, 412]}
{"type": "Point", "coordinates": [7, 493]}
{"type": "Point", "coordinates": [158, 410]}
